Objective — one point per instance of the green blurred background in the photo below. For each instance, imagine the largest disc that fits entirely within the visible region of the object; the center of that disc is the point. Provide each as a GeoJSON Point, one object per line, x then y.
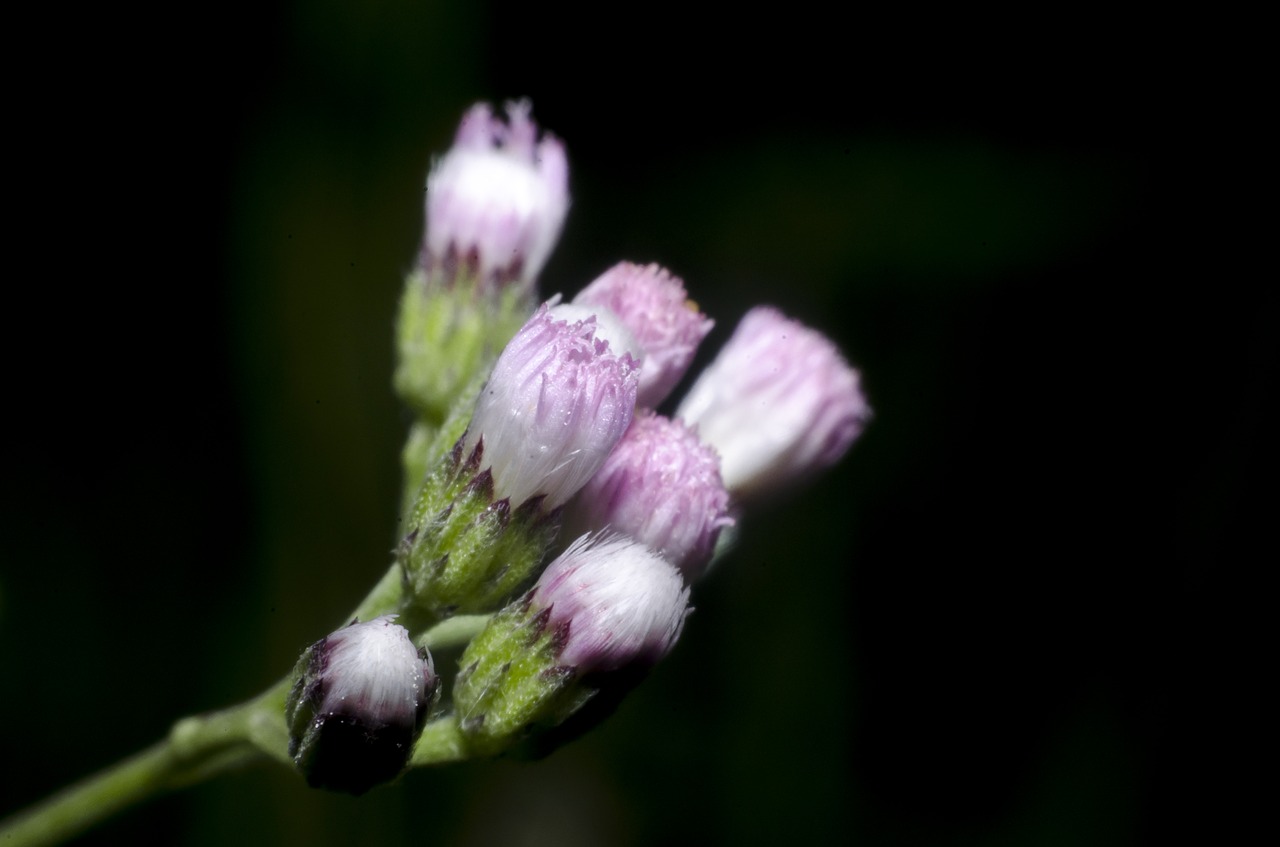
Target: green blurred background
{"type": "Point", "coordinates": [983, 628]}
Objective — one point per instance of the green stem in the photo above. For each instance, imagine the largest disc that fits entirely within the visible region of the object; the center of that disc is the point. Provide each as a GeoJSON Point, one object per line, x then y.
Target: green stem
{"type": "Point", "coordinates": [384, 598]}
{"type": "Point", "coordinates": [196, 749]}
{"type": "Point", "coordinates": [203, 746]}
{"type": "Point", "coordinates": [453, 632]}
{"type": "Point", "coordinates": [441, 742]}
{"type": "Point", "coordinates": [79, 807]}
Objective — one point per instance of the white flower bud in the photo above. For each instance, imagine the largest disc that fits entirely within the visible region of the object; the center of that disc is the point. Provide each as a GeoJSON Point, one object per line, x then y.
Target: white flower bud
{"type": "Point", "coordinates": [358, 704]}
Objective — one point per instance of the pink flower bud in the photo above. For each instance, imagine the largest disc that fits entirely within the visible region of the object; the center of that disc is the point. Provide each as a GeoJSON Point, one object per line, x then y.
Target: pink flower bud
{"type": "Point", "coordinates": [556, 403]}
{"type": "Point", "coordinates": [617, 604]}
{"type": "Point", "coordinates": [778, 404]}
{"type": "Point", "coordinates": [653, 305]}
{"type": "Point", "coordinates": [660, 486]}
{"type": "Point", "coordinates": [496, 201]}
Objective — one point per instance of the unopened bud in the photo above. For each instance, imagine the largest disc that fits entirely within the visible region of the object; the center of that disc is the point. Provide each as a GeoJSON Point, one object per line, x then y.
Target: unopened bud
{"type": "Point", "coordinates": [660, 486]}
{"type": "Point", "coordinates": [778, 404]}
{"type": "Point", "coordinates": [653, 305]}
{"type": "Point", "coordinates": [358, 704]}
{"type": "Point", "coordinates": [497, 200]}
{"type": "Point", "coordinates": [556, 403]}
{"type": "Point", "coordinates": [605, 611]}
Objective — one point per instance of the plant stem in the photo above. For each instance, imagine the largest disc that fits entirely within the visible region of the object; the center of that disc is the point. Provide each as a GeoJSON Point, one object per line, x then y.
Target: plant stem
{"type": "Point", "coordinates": [440, 742]}
{"type": "Point", "coordinates": [196, 749]}
{"type": "Point", "coordinates": [453, 632]}
{"type": "Point", "coordinates": [384, 598]}
{"type": "Point", "coordinates": [203, 746]}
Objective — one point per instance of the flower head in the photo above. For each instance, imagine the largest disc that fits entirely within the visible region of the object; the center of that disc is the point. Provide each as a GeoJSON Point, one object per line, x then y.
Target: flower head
{"type": "Point", "coordinates": [597, 620]}
{"type": "Point", "coordinates": [557, 402]}
{"type": "Point", "coordinates": [778, 404]}
{"type": "Point", "coordinates": [667, 324]}
{"type": "Point", "coordinates": [617, 603]}
{"type": "Point", "coordinates": [497, 200]}
{"type": "Point", "coordinates": [660, 486]}
{"type": "Point", "coordinates": [358, 704]}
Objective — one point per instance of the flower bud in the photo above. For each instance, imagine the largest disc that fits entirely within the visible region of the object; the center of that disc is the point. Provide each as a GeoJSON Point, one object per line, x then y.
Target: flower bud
{"type": "Point", "coordinates": [667, 324]}
{"type": "Point", "coordinates": [614, 602]}
{"type": "Point", "coordinates": [778, 404]}
{"type": "Point", "coordinates": [358, 704]}
{"type": "Point", "coordinates": [557, 402]}
{"type": "Point", "coordinates": [599, 617]}
{"type": "Point", "coordinates": [496, 201]}
{"type": "Point", "coordinates": [660, 486]}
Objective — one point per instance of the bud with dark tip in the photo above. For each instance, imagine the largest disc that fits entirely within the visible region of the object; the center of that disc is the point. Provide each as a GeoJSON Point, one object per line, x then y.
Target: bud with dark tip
{"type": "Point", "coordinates": [358, 704]}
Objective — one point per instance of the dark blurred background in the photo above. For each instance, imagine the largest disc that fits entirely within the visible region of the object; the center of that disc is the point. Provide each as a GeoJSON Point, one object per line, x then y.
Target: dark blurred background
{"type": "Point", "coordinates": [992, 624]}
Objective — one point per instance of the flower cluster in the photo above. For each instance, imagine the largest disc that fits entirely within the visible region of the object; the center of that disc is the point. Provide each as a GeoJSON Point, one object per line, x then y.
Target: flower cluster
{"type": "Point", "coordinates": [556, 523]}
{"type": "Point", "coordinates": [557, 439]}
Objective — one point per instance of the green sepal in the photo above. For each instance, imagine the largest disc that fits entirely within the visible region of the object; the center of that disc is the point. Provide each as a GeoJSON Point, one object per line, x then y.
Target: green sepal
{"type": "Point", "coordinates": [467, 553]}
{"type": "Point", "coordinates": [427, 445]}
{"type": "Point", "coordinates": [447, 334]}
{"type": "Point", "coordinates": [510, 683]}
{"type": "Point", "coordinates": [298, 719]}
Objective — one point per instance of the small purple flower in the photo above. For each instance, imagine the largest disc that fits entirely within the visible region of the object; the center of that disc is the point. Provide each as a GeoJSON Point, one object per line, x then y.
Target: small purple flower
{"type": "Point", "coordinates": [654, 306]}
{"type": "Point", "coordinates": [778, 404]}
{"type": "Point", "coordinates": [358, 705]}
{"type": "Point", "coordinates": [617, 604]}
{"type": "Point", "coordinates": [660, 486]}
{"type": "Point", "coordinates": [556, 403]}
{"type": "Point", "coordinates": [497, 200]}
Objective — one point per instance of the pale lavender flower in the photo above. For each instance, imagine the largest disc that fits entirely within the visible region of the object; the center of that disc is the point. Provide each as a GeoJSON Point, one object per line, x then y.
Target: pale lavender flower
{"type": "Point", "coordinates": [778, 404]}
{"type": "Point", "coordinates": [556, 403]}
{"type": "Point", "coordinates": [615, 603]}
{"type": "Point", "coordinates": [660, 486]}
{"type": "Point", "coordinates": [497, 200]}
{"type": "Point", "coordinates": [654, 306]}
{"type": "Point", "coordinates": [358, 704]}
